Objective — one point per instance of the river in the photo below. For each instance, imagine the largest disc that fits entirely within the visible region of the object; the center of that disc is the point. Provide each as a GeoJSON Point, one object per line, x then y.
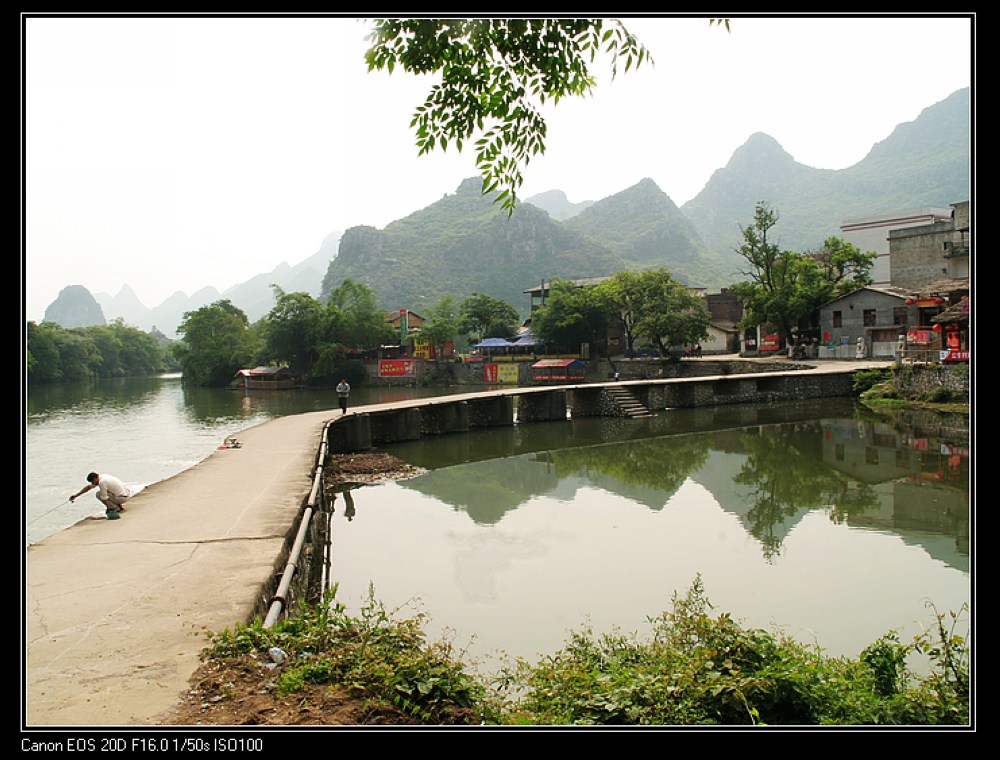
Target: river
{"type": "Point", "coordinates": [818, 516]}
{"type": "Point", "coordinates": [143, 430]}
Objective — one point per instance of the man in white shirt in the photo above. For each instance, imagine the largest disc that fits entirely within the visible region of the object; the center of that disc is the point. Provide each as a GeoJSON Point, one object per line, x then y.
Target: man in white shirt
{"type": "Point", "coordinates": [343, 391]}
{"type": "Point", "coordinates": [111, 492]}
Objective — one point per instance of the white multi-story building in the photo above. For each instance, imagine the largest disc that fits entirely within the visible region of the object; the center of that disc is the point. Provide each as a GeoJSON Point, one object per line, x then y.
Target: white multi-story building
{"type": "Point", "coordinates": [871, 233]}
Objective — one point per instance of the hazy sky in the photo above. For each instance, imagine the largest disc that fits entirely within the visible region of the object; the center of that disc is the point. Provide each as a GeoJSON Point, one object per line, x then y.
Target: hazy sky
{"type": "Point", "coordinates": [175, 153]}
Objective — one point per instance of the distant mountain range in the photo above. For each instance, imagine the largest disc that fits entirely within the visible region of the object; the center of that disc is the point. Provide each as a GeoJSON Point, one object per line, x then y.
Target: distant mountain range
{"type": "Point", "coordinates": [465, 243]}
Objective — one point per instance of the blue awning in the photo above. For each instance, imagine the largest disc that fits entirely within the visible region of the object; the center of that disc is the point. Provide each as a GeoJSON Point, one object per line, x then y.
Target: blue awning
{"type": "Point", "coordinates": [494, 343]}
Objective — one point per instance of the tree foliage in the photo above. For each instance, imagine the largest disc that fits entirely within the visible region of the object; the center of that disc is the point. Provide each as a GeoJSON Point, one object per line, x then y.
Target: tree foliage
{"type": "Point", "coordinates": [293, 330]}
{"type": "Point", "coordinates": [55, 353]}
{"type": "Point", "coordinates": [654, 306]}
{"type": "Point", "coordinates": [495, 76]}
{"type": "Point", "coordinates": [354, 317]}
{"type": "Point", "coordinates": [785, 288]}
{"type": "Point", "coordinates": [484, 316]}
{"type": "Point", "coordinates": [215, 342]}
{"type": "Point", "coordinates": [318, 342]}
{"type": "Point", "coordinates": [571, 316]}
{"type": "Point", "coordinates": [442, 323]}
{"type": "Point", "coordinates": [672, 315]}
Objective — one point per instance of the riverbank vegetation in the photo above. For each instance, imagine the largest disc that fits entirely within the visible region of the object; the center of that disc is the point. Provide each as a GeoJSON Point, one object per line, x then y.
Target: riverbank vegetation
{"type": "Point", "coordinates": [326, 667]}
{"type": "Point", "coordinates": [55, 353]}
{"type": "Point", "coordinates": [889, 388]}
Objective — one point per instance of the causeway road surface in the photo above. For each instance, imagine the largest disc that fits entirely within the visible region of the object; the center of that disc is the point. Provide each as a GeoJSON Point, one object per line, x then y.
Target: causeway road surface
{"type": "Point", "coordinates": [116, 611]}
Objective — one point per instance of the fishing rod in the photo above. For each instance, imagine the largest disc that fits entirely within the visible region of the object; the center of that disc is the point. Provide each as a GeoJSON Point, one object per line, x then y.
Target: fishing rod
{"type": "Point", "coordinates": [32, 522]}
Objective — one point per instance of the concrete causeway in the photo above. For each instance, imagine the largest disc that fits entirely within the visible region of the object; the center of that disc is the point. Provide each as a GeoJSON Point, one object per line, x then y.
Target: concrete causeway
{"type": "Point", "coordinates": [115, 613]}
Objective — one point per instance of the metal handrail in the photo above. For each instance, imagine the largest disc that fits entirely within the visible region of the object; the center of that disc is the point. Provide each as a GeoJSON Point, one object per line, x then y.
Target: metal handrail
{"type": "Point", "coordinates": [280, 597]}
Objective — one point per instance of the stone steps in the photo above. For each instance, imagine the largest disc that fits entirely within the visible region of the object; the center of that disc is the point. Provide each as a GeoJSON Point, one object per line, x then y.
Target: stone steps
{"type": "Point", "coordinates": [625, 404]}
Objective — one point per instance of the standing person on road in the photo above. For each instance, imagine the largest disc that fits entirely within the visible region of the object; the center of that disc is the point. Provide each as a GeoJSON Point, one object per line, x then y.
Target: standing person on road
{"type": "Point", "coordinates": [111, 492]}
{"type": "Point", "coordinates": [343, 390]}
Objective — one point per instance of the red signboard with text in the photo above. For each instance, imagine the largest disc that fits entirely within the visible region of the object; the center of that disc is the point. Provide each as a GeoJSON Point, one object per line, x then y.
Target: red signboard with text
{"type": "Point", "coordinates": [769, 343]}
{"type": "Point", "coordinates": [397, 368]}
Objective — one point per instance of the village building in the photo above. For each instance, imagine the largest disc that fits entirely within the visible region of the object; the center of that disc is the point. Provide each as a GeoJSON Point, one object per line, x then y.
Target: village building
{"type": "Point", "coordinates": [871, 233]}
{"type": "Point", "coordinates": [898, 323]}
{"type": "Point", "coordinates": [927, 305]}
{"type": "Point", "coordinates": [875, 316]}
{"type": "Point", "coordinates": [923, 255]}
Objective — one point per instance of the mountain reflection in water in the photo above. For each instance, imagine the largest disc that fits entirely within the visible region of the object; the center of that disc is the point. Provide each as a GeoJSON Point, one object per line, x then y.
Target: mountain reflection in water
{"type": "Point", "coordinates": [818, 506]}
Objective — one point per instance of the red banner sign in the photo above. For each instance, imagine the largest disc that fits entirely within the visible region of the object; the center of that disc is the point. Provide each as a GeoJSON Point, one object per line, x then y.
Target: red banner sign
{"type": "Point", "coordinates": [769, 343]}
{"type": "Point", "coordinates": [397, 368]}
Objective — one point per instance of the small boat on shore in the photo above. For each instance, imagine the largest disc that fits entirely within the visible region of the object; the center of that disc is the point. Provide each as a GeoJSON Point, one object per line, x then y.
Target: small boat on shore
{"type": "Point", "coordinates": [267, 378]}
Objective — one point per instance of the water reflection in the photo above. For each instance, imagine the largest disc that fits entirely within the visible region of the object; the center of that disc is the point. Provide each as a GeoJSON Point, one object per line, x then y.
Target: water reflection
{"type": "Point", "coordinates": [88, 397]}
{"type": "Point", "coordinates": [835, 524]}
{"type": "Point", "coordinates": [906, 475]}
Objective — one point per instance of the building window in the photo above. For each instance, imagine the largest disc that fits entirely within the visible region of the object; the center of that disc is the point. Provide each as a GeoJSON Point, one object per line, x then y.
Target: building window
{"type": "Point", "coordinates": [869, 318]}
{"type": "Point", "coordinates": [899, 315]}
{"type": "Point", "coordinates": [838, 319]}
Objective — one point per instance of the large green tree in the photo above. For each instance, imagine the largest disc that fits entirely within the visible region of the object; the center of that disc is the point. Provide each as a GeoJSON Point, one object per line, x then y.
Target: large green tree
{"type": "Point", "coordinates": [495, 76]}
{"type": "Point", "coordinates": [215, 343]}
{"type": "Point", "coordinates": [836, 268]}
{"type": "Point", "coordinates": [653, 305]}
{"type": "Point", "coordinates": [484, 316]}
{"type": "Point", "coordinates": [293, 330]}
{"type": "Point", "coordinates": [354, 317]}
{"type": "Point", "coordinates": [785, 288]}
{"type": "Point", "coordinates": [442, 323]}
{"type": "Point", "coordinates": [624, 295]}
{"type": "Point", "coordinates": [571, 317]}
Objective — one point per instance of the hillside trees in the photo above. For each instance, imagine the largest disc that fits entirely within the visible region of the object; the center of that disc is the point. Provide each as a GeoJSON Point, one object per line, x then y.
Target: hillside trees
{"type": "Point", "coordinates": [495, 75]}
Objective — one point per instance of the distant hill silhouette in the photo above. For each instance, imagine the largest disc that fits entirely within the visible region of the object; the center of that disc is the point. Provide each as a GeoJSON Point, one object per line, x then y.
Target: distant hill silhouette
{"type": "Point", "coordinates": [465, 243]}
{"type": "Point", "coordinates": [75, 307]}
{"type": "Point", "coordinates": [557, 204]}
{"type": "Point", "coordinates": [255, 296]}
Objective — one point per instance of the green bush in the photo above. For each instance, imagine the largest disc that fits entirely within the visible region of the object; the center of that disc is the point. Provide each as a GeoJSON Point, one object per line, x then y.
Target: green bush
{"type": "Point", "coordinates": [865, 380]}
{"type": "Point", "coordinates": [701, 670]}
{"type": "Point", "coordinates": [381, 656]}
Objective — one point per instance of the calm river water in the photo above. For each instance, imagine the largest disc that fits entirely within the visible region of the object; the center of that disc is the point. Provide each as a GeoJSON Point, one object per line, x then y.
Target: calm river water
{"type": "Point", "coordinates": [828, 521]}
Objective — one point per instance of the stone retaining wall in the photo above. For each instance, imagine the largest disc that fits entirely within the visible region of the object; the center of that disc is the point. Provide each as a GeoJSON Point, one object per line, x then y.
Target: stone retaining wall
{"type": "Point", "coordinates": [922, 379]}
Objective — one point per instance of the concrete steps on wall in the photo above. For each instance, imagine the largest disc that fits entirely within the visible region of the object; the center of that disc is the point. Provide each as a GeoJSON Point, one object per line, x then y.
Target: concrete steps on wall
{"type": "Point", "coordinates": [624, 403]}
